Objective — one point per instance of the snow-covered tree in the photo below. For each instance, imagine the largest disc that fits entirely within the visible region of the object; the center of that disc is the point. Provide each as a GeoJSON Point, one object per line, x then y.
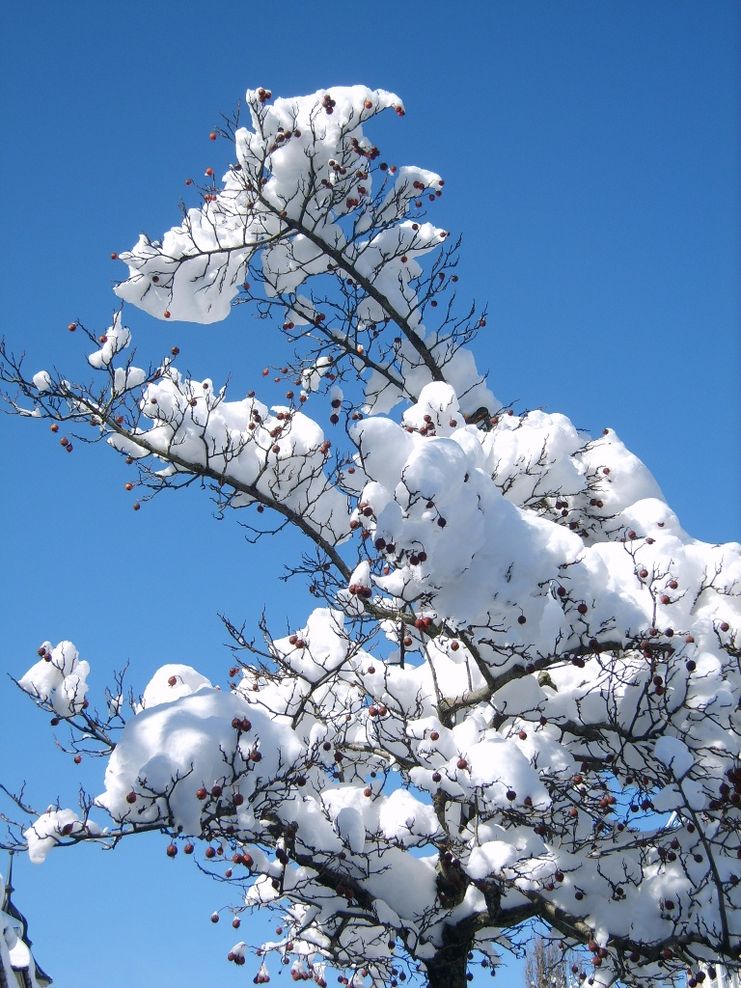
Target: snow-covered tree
{"type": "Point", "coordinates": [517, 697]}
{"type": "Point", "coordinates": [547, 967]}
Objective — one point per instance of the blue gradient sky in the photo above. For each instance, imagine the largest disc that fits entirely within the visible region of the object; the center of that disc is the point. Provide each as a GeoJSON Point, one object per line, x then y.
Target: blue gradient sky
{"type": "Point", "coordinates": [591, 157]}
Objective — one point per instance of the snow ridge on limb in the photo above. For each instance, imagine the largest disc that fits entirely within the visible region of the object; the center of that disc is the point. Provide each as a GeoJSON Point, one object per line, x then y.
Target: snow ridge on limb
{"type": "Point", "coordinates": [518, 697]}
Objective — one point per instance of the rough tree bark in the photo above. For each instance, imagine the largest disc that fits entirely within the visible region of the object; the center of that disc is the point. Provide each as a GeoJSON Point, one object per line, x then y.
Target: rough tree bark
{"type": "Point", "coordinates": [449, 967]}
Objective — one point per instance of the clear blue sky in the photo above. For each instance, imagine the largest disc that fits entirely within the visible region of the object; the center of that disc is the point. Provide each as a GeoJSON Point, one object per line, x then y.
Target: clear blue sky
{"type": "Point", "coordinates": [591, 157]}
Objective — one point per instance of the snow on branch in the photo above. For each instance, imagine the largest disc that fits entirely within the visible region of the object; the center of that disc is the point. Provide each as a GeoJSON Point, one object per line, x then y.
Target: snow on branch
{"type": "Point", "coordinates": [517, 697]}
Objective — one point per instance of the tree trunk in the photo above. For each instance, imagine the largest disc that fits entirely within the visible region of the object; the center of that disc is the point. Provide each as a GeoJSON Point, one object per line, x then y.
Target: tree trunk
{"type": "Point", "coordinates": [448, 968]}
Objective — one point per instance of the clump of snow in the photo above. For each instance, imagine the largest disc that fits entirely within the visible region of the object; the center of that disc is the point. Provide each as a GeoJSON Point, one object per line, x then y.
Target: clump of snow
{"type": "Point", "coordinates": [279, 453]}
{"type": "Point", "coordinates": [675, 755]}
{"type": "Point", "coordinates": [115, 339]}
{"type": "Point", "coordinates": [58, 679]}
{"type": "Point", "coordinates": [55, 827]}
{"type": "Point", "coordinates": [171, 682]}
{"type": "Point", "coordinates": [170, 750]}
{"type": "Point", "coordinates": [42, 381]}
